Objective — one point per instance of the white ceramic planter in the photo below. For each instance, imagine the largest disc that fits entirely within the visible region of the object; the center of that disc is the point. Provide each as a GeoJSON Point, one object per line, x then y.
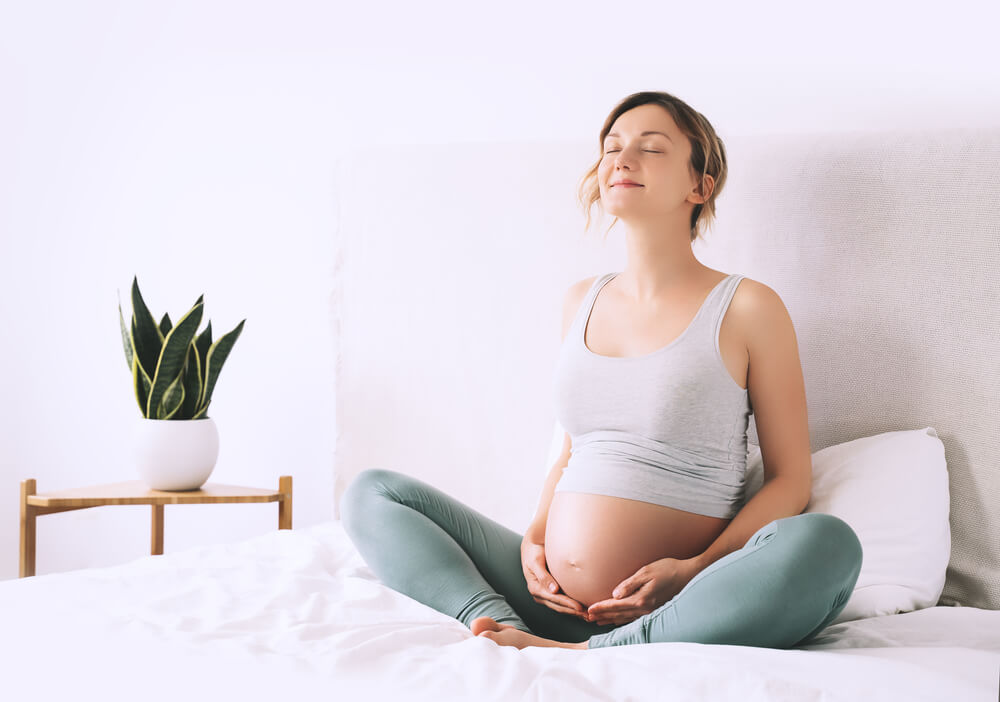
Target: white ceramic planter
{"type": "Point", "coordinates": [175, 454]}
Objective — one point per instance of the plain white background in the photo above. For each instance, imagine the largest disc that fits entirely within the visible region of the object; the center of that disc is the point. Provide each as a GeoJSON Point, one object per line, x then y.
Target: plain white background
{"type": "Point", "coordinates": [193, 144]}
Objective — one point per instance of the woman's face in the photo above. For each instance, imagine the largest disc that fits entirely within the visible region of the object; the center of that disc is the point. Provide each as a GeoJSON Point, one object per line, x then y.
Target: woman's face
{"type": "Point", "coordinates": [657, 161]}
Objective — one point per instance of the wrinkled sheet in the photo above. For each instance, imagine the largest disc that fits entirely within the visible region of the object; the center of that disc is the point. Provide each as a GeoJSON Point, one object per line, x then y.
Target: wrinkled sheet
{"type": "Point", "coordinates": [298, 615]}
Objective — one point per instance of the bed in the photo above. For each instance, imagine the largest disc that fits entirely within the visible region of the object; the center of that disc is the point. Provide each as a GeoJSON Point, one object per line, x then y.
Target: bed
{"type": "Point", "coordinates": [884, 247]}
{"type": "Point", "coordinates": [297, 615]}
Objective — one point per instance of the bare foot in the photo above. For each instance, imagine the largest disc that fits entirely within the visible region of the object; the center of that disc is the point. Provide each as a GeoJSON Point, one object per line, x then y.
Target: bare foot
{"type": "Point", "coordinates": [506, 635]}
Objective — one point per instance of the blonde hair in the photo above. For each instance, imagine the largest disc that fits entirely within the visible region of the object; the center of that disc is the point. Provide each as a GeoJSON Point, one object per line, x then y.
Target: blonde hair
{"type": "Point", "coordinates": [708, 156]}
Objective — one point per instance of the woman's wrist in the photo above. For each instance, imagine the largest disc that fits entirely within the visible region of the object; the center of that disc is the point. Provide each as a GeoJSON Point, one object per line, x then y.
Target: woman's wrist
{"type": "Point", "coordinates": [535, 533]}
{"type": "Point", "coordinates": [698, 563]}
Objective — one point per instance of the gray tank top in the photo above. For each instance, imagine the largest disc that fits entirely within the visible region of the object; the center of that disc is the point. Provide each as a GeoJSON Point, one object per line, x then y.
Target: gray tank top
{"type": "Point", "coordinates": [668, 427]}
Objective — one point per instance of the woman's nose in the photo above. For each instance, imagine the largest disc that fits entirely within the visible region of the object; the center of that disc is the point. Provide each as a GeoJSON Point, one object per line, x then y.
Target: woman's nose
{"type": "Point", "coordinates": [624, 157]}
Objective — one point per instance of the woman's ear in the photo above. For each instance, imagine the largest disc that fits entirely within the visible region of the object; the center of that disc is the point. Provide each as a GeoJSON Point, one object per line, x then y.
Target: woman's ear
{"type": "Point", "coordinates": [707, 186]}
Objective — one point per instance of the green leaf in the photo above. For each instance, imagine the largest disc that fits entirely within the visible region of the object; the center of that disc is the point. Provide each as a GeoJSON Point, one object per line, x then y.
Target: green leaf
{"type": "Point", "coordinates": [171, 360]}
{"type": "Point", "coordinates": [145, 358]}
{"type": "Point", "coordinates": [165, 324]}
{"type": "Point", "coordinates": [216, 357]}
{"type": "Point", "coordinates": [203, 344]}
{"type": "Point", "coordinates": [173, 398]}
{"type": "Point", "coordinates": [147, 341]}
{"type": "Point", "coordinates": [126, 336]}
{"type": "Point", "coordinates": [140, 381]}
{"type": "Point", "coordinates": [192, 382]}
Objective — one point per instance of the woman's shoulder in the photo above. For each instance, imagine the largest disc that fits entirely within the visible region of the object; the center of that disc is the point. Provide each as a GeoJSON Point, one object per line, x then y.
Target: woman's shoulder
{"type": "Point", "coordinates": [754, 297]}
{"type": "Point", "coordinates": [578, 290]}
{"type": "Point", "coordinates": [757, 309]}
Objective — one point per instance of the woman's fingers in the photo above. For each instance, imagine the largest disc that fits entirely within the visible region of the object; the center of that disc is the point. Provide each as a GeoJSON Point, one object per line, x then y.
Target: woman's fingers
{"type": "Point", "coordinates": [532, 578]}
{"type": "Point", "coordinates": [546, 587]}
{"type": "Point", "coordinates": [559, 601]}
{"type": "Point", "coordinates": [615, 611]}
{"type": "Point", "coordinates": [567, 602]}
{"type": "Point", "coordinates": [554, 600]}
{"type": "Point", "coordinates": [542, 586]}
{"type": "Point", "coordinates": [617, 615]}
{"type": "Point", "coordinates": [534, 570]}
{"type": "Point", "coordinates": [558, 604]}
{"type": "Point", "coordinates": [563, 609]}
{"type": "Point", "coordinates": [540, 583]}
{"type": "Point", "coordinates": [545, 578]}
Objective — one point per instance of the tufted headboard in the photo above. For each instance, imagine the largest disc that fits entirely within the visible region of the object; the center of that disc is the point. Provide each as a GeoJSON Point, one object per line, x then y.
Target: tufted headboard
{"type": "Point", "coordinates": [452, 261]}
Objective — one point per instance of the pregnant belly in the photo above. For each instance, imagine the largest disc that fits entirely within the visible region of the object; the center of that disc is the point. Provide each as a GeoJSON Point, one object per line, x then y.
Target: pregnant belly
{"type": "Point", "coordinates": [594, 542]}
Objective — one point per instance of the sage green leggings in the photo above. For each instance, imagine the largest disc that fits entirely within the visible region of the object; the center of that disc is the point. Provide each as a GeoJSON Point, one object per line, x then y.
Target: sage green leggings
{"type": "Point", "coordinates": [789, 581]}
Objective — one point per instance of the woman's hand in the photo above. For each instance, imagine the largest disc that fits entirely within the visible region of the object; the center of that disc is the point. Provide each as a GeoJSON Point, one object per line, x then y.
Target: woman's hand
{"type": "Point", "coordinates": [542, 586]}
{"type": "Point", "coordinates": [650, 587]}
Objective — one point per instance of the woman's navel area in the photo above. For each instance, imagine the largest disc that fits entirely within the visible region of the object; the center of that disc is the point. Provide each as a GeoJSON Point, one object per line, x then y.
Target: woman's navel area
{"type": "Point", "coordinates": [594, 542]}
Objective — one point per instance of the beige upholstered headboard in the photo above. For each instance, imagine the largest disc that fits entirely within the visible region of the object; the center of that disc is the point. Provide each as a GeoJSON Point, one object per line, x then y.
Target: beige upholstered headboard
{"type": "Point", "coordinates": [885, 247]}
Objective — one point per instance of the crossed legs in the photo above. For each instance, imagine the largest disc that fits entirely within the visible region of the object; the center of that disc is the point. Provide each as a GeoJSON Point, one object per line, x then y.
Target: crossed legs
{"type": "Point", "coordinates": [789, 581]}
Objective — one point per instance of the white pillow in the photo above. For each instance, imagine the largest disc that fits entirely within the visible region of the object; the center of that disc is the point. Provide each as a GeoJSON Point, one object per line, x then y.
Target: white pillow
{"type": "Point", "coordinates": [892, 489]}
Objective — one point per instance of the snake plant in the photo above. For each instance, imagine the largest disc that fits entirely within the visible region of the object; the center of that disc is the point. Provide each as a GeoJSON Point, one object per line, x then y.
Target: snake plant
{"type": "Point", "coordinates": [173, 371]}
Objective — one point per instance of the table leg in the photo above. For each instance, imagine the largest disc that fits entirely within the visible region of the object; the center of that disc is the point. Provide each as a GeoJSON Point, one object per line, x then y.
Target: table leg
{"type": "Point", "coordinates": [285, 504]}
{"type": "Point", "coordinates": [157, 541]}
{"type": "Point", "coordinates": [28, 516]}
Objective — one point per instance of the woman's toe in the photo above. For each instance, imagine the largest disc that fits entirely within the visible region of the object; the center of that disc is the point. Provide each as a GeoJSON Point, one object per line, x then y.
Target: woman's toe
{"type": "Point", "coordinates": [480, 625]}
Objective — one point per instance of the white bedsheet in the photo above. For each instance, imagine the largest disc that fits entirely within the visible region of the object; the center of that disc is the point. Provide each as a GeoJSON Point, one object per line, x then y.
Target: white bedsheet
{"type": "Point", "coordinates": [298, 615]}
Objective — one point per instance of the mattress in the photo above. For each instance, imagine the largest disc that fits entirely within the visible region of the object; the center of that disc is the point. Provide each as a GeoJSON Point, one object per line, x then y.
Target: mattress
{"type": "Point", "coordinates": [297, 612]}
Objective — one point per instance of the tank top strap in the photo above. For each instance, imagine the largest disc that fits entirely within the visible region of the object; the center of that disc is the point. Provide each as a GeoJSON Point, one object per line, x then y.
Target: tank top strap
{"type": "Point", "coordinates": [724, 295]}
{"type": "Point", "coordinates": [709, 317]}
{"type": "Point", "coordinates": [588, 300]}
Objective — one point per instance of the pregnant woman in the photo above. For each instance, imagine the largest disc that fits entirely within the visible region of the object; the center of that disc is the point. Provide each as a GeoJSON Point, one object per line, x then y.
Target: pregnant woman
{"type": "Point", "coordinates": [642, 533]}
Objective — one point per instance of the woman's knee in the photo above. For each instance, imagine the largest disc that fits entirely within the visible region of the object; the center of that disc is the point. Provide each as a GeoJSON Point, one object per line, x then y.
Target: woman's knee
{"type": "Point", "coordinates": [367, 486]}
{"type": "Point", "coordinates": [828, 539]}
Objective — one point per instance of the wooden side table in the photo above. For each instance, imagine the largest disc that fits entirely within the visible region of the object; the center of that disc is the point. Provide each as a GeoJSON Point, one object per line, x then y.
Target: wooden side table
{"type": "Point", "coordinates": [135, 492]}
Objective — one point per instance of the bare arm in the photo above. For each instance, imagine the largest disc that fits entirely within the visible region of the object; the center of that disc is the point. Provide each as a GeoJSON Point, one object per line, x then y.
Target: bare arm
{"type": "Point", "coordinates": [536, 530]}
{"type": "Point", "coordinates": [541, 585]}
{"type": "Point", "coordinates": [778, 397]}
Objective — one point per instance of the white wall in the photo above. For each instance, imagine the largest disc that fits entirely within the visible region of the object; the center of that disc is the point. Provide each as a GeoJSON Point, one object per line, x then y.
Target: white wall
{"type": "Point", "coordinates": [194, 143]}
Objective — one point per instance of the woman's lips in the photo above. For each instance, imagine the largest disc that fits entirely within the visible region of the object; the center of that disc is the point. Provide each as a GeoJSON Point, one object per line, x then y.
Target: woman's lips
{"type": "Point", "coordinates": [626, 185]}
